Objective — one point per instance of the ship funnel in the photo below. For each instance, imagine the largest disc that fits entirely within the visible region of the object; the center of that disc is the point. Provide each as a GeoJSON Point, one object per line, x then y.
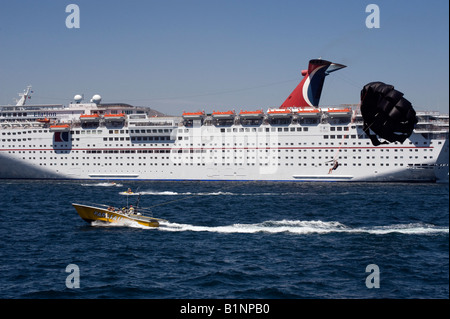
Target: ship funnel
{"type": "Point", "coordinates": [308, 92]}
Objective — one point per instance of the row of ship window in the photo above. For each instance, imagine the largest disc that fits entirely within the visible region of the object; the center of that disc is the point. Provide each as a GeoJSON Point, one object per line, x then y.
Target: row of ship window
{"type": "Point", "coordinates": [222, 130]}
{"type": "Point", "coordinates": [167, 138]}
{"type": "Point", "coordinates": [190, 151]}
{"type": "Point", "coordinates": [222, 164]}
{"type": "Point", "coordinates": [223, 157]}
{"type": "Point", "coordinates": [271, 129]}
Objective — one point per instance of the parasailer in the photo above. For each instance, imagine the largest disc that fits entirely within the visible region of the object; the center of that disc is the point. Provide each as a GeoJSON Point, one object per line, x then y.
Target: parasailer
{"type": "Point", "coordinates": [386, 113]}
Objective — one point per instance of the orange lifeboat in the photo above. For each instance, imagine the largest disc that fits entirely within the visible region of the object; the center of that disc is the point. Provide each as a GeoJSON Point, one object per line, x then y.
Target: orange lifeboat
{"type": "Point", "coordinates": [223, 115]}
{"type": "Point", "coordinates": [339, 112]}
{"type": "Point", "coordinates": [60, 128]}
{"type": "Point", "coordinates": [308, 112]}
{"type": "Point", "coordinates": [251, 114]}
{"type": "Point", "coordinates": [279, 113]}
{"type": "Point", "coordinates": [89, 118]}
{"type": "Point", "coordinates": [114, 117]}
{"type": "Point", "coordinates": [193, 115]}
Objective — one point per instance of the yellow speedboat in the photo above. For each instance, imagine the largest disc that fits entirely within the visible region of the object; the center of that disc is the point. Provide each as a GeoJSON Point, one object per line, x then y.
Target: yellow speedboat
{"type": "Point", "coordinates": [112, 215]}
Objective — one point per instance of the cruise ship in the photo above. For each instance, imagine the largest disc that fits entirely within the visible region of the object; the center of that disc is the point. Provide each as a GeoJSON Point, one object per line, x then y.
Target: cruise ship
{"type": "Point", "coordinates": [297, 141]}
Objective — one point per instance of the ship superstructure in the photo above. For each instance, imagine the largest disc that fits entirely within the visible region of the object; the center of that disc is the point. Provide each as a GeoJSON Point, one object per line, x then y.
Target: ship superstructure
{"type": "Point", "coordinates": [294, 142]}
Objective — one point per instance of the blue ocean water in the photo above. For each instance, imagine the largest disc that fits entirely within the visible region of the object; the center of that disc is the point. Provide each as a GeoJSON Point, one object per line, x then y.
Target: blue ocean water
{"type": "Point", "coordinates": [227, 240]}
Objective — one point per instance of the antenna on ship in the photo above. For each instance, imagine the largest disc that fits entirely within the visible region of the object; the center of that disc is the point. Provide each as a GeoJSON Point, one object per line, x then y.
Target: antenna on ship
{"type": "Point", "coordinates": [23, 96]}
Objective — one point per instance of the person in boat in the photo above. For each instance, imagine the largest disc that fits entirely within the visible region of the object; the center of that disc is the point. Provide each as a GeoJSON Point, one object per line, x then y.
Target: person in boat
{"type": "Point", "coordinates": [129, 191]}
{"type": "Point", "coordinates": [131, 210]}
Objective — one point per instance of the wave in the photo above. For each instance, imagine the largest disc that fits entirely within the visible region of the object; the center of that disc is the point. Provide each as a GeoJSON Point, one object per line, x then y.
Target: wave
{"type": "Point", "coordinates": [299, 227]}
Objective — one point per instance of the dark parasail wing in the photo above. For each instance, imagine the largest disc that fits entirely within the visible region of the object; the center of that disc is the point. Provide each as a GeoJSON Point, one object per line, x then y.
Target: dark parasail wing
{"type": "Point", "coordinates": [386, 113]}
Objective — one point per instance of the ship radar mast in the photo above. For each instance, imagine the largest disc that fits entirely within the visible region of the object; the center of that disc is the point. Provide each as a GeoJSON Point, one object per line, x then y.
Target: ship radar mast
{"type": "Point", "coordinates": [24, 96]}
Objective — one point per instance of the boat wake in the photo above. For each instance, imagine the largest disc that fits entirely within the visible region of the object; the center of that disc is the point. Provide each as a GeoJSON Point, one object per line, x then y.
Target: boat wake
{"type": "Point", "coordinates": [296, 227]}
{"type": "Point", "coordinates": [124, 223]}
{"type": "Point", "coordinates": [299, 227]}
{"type": "Point", "coordinates": [104, 184]}
{"type": "Point", "coordinates": [218, 193]}
{"type": "Point", "coordinates": [170, 193]}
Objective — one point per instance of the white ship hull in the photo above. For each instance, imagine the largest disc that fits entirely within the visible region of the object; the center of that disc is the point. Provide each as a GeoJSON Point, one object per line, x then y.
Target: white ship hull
{"type": "Point", "coordinates": [297, 153]}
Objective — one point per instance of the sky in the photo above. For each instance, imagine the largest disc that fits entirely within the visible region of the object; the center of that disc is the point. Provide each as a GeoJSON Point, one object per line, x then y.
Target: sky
{"type": "Point", "coordinates": [193, 55]}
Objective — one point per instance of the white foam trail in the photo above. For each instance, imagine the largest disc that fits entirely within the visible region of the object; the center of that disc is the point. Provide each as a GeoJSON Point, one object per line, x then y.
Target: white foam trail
{"type": "Point", "coordinates": [152, 192]}
{"type": "Point", "coordinates": [169, 193]}
{"type": "Point", "coordinates": [103, 184]}
{"type": "Point", "coordinates": [124, 223]}
{"type": "Point", "coordinates": [297, 227]}
{"type": "Point", "coordinates": [305, 227]}
{"type": "Point", "coordinates": [413, 229]}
